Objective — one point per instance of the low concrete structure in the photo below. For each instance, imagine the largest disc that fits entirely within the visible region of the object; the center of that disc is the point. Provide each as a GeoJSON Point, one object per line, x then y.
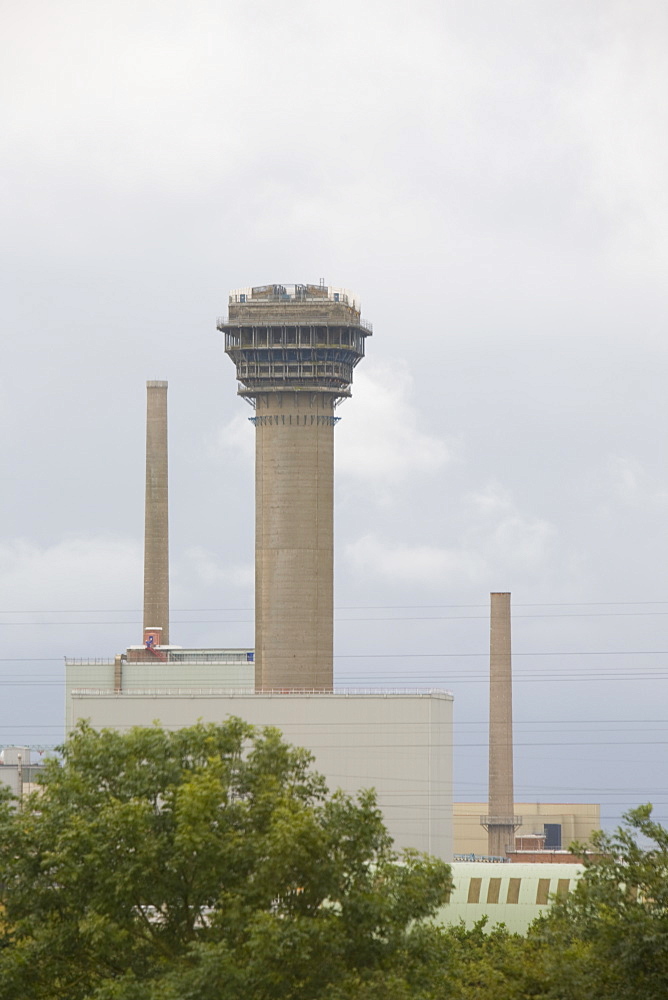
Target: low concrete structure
{"type": "Point", "coordinates": [512, 894]}
{"type": "Point", "coordinates": [396, 742]}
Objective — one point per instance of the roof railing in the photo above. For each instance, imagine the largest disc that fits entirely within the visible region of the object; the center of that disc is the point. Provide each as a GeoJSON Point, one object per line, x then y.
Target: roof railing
{"type": "Point", "coordinates": [192, 691]}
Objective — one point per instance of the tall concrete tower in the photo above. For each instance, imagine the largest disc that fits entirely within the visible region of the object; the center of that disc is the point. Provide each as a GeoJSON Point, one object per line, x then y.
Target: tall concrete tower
{"type": "Point", "coordinates": [501, 822]}
{"type": "Point", "coordinates": [294, 347]}
{"type": "Point", "coordinates": [156, 529]}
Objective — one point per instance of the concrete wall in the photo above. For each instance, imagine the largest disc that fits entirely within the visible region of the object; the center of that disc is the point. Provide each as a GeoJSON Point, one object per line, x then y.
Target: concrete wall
{"type": "Point", "coordinates": [578, 820]}
{"type": "Point", "coordinates": [399, 744]}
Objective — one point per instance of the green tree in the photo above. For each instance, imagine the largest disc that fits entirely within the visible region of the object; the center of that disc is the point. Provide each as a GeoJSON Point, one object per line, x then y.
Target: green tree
{"type": "Point", "coordinates": [201, 864]}
{"type": "Point", "coordinates": [608, 940]}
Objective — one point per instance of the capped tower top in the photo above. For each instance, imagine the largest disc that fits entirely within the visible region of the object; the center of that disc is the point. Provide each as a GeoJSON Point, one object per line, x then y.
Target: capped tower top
{"type": "Point", "coordinates": [294, 337]}
{"type": "Point", "coordinates": [294, 293]}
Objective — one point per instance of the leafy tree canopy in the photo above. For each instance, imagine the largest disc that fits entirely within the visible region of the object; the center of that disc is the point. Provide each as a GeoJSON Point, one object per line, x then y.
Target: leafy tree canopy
{"type": "Point", "coordinates": [202, 864]}
{"type": "Point", "coordinates": [608, 940]}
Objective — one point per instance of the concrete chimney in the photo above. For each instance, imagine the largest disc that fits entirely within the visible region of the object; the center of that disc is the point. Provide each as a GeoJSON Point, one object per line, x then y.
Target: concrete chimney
{"type": "Point", "coordinates": [295, 348]}
{"type": "Point", "coordinates": [156, 528]}
{"type": "Point", "coordinates": [501, 821]}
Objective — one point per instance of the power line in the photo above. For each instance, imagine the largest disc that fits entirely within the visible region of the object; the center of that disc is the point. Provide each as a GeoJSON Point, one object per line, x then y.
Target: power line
{"type": "Point", "coordinates": [411, 655]}
{"type": "Point", "coordinates": [431, 679]}
{"type": "Point", "coordinates": [588, 652]}
{"type": "Point", "coordinates": [343, 607]}
{"type": "Point", "coordinates": [393, 618]}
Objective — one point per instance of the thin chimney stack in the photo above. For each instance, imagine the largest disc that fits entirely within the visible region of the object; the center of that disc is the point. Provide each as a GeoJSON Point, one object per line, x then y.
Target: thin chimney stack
{"type": "Point", "coordinates": [501, 821]}
{"type": "Point", "coordinates": [156, 528]}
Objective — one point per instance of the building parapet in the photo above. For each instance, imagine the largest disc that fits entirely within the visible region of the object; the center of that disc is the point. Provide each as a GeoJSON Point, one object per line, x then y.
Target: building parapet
{"type": "Point", "coordinates": [89, 661]}
{"type": "Point", "coordinates": [174, 654]}
{"type": "Point", "coordinates": [279, 692]}
{"type": "Point", "coordinates": [487, 858]}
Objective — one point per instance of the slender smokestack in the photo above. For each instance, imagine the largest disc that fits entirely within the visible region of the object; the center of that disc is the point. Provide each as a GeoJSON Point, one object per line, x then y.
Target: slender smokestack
{"type": "Point", "coordinates": [156, 531]}
{"type": "Point", "coordinates": [500, 822]}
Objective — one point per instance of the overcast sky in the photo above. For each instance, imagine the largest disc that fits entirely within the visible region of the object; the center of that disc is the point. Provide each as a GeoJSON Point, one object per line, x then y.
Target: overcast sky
{"type": "Point", "coordinates": [490, 177]}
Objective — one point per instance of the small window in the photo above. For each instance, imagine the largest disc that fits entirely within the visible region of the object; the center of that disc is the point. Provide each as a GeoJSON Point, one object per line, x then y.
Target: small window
{"type": "Point", "coordinates": [543, 892]}
{"type": "Point", "coordinates": [552, 836]}
{"type": "Point", "coordinates": [474, 890]}
{"type": "Point", "coordinates": [563, 885]}
{"type": "Point", "coordinates": [494, 890]}
{"type": "Point", "coordinates": [513, 890]}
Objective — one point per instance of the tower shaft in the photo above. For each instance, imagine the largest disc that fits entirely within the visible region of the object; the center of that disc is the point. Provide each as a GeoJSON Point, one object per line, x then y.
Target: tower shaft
{"type": "Point", "coordinates": [501, 821]}
{"type": "Point", "coordinates": [294, 553]}
{"type": "Point", "coordinates": [156, 526]}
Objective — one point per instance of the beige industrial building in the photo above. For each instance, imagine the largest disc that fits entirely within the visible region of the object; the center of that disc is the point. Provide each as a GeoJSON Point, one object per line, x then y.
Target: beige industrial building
{"type": "Point", "coordinates": [398, 743]}
{"type": "Point", "coordinates": [565, 822]}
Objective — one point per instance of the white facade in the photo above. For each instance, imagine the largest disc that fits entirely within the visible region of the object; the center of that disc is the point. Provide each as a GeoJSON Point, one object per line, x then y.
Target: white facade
{"type": "Point", "coordinates": [398, 743]}
{"type": "Point", "coordinates": [512, 894]}
{"type": "Point", "coordinates": [184, 669]}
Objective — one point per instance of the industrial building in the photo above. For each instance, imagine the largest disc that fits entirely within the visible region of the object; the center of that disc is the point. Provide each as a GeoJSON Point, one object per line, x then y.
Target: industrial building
{"type": "Point", "coordinates": [396, 742]}
{"type": "Point", "coordinates": [140, 670]}
{"type": "Point", "coordinates": [558, 823]}
{"type": "Point", "coordinates": [294, 348]}
{"type": "Point", "coordinates": [510, 894]}
{"type": "Point", "coordinates": [18, 771]}
{"type": "Point", "coordinates": [155, 664]}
